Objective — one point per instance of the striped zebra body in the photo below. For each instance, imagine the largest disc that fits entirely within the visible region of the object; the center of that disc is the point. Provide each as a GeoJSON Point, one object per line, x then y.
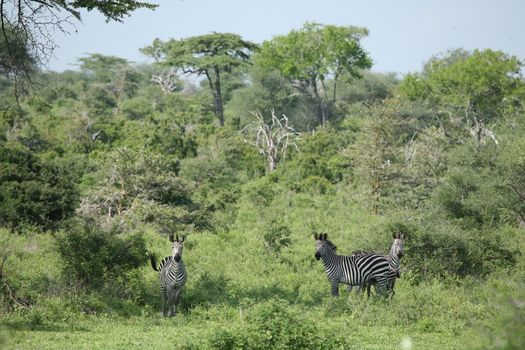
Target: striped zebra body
{"type": "Point", "coordinates": [393, 258]}
{"type": "Point", "coordinates": [356, 270]}
{"type": "Point", "coordinates": [172, 278]}
{"type": "Point", "coordinates": [361, 287]}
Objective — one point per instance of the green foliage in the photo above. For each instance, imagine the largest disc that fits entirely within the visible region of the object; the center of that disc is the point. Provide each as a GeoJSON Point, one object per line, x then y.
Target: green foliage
{"type": "Point", "coordinates": [320, 157]}
{"type": "Point", "coordinates": [507, 330]}
{"type": "Point", "coordinates": [34, 191]}
{"type": "Point", "coordinates": [94, 257]}
{"type": "Point", "coordinates": [211, 55]}
{"type": "Point", "coordinates": [437, 249]}
{"type": "Point", "coordinates": [371, 88]}
{"type": "Point", "coordinates": [137, 108]}
{"type": "Point", "coordinates": [468, 91]}
{"type": "Point", "coordinates": [274, 325]}
{"type": "Point", "coordinates": [376, 156]}
{"type": "Point", "coordinates": [261, 192]}
{"type": "Point", "coordinates": [267, 91]}
{"type": "Point", "coordinates": [276, 236]}
{"type": "Point", "coordinates": [115, 10]}
{"type": "Point", "coordinates": [313, 53]}
{"type": "Point", "coordinates": [146, 161]}
{"type": "Point", "coordinates": [15, 55]}
{"type": "Point", "coordinates": [142, 188]}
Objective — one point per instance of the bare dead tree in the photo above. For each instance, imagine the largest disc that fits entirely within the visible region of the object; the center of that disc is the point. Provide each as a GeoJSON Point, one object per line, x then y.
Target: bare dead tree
{"type": "Point", "coordinates": [272, 139]}
{"type": "Point", "coordinates": [167, 80]}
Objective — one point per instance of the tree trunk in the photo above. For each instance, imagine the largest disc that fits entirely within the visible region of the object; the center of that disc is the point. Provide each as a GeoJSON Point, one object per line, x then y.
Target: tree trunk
{"type": "Point", "coordinates": [215, 86]}
{"type": "Point", "coordinates": [321, 113]}
{"type": "Point", "coordinates": [217, 95]}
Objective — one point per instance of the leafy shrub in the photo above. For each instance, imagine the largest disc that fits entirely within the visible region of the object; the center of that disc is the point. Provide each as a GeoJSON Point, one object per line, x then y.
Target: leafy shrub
{"type": "Point", "coordinates": [33, 191]}
{"type": "Point", "coordinates": [137, 107]}
{"type": "Point", "coordinates": [93, 256]}
{"type": "Point", "coordinates": [445, 251]}
{"type": "Point", "coordinates": [275, 325]}
{"type": "Point", "coordinates": [276, 236]}
{"type": "Point", "coordinates": [260, 191]}
{"type": "Point", "coordinates": [315, 185]}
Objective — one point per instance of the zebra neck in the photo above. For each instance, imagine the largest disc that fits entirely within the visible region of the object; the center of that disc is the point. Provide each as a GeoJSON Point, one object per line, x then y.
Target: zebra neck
{"type": "Point", "coordinates": [393, 261]}
{"type": "Point", "coordinates": [176, 265]}
{"type": "Point", "coordinates": [328, 260]}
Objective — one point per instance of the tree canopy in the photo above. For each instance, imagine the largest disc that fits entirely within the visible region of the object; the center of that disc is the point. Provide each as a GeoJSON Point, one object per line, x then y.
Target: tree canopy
{"type": "Point", "coordinates": [210, 55]}
{"type": "Point", "coordinates": [309, 57]}
{"type": "Point", "coordinates": [469, 90]}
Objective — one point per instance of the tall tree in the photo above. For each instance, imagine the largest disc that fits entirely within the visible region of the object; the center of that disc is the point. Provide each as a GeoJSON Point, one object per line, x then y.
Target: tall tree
{"type": "Point", "coordinates": [112, 74]}
{"type": "Point", "coordinates": [469, 91]}
{"type": "Point", "coordinates": [312, 55]}
{"type": "Point", "coordinates": [27, 26]}
{"type": "Point", "coordinates": [208, 55]}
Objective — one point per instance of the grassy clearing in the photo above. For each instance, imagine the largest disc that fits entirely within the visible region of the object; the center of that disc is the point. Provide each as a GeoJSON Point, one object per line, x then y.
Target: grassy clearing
{"type": "Point", "coordinates": [241, 295]}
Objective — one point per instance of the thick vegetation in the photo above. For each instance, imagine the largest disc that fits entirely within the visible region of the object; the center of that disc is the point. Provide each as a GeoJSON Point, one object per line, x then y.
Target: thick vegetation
{"type": "Point", "coordinates": [104, 162]}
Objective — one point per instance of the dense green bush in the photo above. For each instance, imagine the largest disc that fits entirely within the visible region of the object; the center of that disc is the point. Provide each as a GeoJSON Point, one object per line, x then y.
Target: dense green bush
{"type": "Point", "coordinates": [33, 191]}
{"type": "Point", "coordinates": [443, 250]}
{"type": "Point", "coordinates": [275, 325]}
{"type": "Point", "coordinates": [137, 108]}
{"type": "Point", "coordinates": [93, 257]}
{"type": "Point", "coordinates": [276, 236]}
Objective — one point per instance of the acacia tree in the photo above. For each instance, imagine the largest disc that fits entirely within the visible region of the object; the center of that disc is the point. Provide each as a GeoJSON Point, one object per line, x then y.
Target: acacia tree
{"type": "Point", "coordinates": [310, 56]}
{"type": "Point", "coordinates": [27, 27]}
{"type": "Point", "coordinates": [208, 55]}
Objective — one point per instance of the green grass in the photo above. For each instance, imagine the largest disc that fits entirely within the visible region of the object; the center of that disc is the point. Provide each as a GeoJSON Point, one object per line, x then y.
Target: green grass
{"type": "Point", "coordinates": [240, 293]}
{"type": "Point", "coordinates": [188, 331]}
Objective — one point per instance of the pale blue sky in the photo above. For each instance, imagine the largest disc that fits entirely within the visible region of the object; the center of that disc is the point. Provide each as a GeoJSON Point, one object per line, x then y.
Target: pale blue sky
{"type": "Point", "coordinates": [403, 33]}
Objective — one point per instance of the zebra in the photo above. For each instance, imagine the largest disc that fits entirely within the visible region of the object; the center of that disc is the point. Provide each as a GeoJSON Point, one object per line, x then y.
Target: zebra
{"type": "Point", "coordinates": [172, 276]}
{"type": "Point", "coordinates": [396, 252]}
{"type": "Point", "coordinates": [361, 287]}
{"type": "Point", "coordinates": [354, 270]}
{"type": "Point", "coordinates": [394, 257]}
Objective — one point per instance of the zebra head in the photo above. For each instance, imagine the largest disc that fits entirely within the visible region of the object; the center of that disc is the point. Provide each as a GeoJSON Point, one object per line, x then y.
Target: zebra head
{"type": "Point", "coordinates": [397, 245]}
{"type": "Point", "coordinates": [323, 246]}
{"type": "Point", "coordinates": [176, 252]}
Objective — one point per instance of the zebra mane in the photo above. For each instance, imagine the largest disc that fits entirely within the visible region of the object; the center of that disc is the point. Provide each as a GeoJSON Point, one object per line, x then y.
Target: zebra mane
{"type": "Point", "coordinates": [360, 252]}
{"type": "Point", "coordinates": [330, 245]}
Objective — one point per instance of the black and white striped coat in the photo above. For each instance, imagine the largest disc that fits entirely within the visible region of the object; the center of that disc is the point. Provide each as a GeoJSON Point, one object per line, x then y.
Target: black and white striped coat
{"type": "Point", "coordinates": [172, 277]}
{"type": "Point", "coordinates": [354, 270]}
{"type": "Point", "coordinates": [393, 258]}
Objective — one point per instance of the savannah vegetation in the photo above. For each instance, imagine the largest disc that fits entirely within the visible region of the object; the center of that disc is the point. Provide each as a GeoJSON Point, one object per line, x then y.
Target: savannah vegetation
{"type": "Point", "coordinates": [276, 141]}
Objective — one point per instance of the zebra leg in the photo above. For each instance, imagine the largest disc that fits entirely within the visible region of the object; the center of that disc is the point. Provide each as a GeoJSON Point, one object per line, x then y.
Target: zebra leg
{"type": "Point", "coordinates": [175, 304]}
{"type": "Point", "coordinates": [335, 289]}
{"type": "Point", "coordinates": [163, 303]}
{"type": "Point", "coordinates": [392, 284]}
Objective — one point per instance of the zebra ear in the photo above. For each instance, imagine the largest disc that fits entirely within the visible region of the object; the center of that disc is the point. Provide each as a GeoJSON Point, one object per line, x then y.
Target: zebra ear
{"type": "Point", "coordinates": [172, 239]}
{"type": "Point", "coordinates": [177, 237]}
{"type": "Point", "coordinates": [316, 236]}
{"type": "Point", "coordinates": [325, 236]}
{"type": "Point", "coordinates": [183, 238]}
